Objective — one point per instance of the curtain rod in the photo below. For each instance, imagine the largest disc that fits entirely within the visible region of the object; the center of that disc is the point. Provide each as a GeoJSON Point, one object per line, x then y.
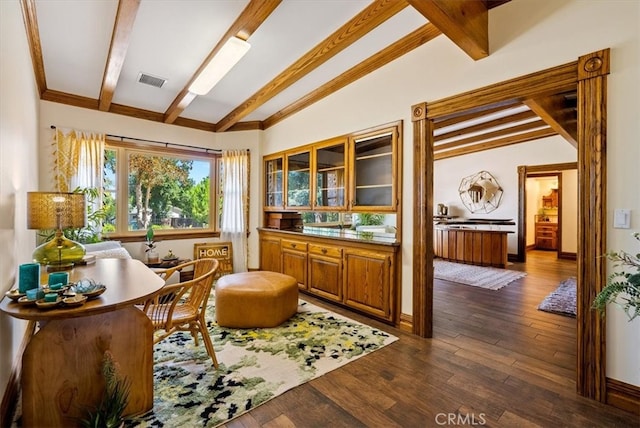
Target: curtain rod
{"type": "Point", "coordinates": [122, 138]}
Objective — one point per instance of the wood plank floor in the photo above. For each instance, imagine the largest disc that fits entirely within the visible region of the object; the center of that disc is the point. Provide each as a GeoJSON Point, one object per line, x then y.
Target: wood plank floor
{"type": "Point", "coordinates": [494, 360]}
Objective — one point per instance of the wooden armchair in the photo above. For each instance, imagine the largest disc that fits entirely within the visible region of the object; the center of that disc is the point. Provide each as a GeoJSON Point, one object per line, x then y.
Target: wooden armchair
{"type": "Point", "coordinates": [182, 306]}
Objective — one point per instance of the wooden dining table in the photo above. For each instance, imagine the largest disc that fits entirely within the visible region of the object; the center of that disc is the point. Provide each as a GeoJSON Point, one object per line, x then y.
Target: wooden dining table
{"type": "Point", "coordinates": [62, 363]}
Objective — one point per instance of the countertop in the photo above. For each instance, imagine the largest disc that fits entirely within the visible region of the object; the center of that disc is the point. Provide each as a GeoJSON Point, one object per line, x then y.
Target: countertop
{"type": "Point", "coordinates": [342, 234]}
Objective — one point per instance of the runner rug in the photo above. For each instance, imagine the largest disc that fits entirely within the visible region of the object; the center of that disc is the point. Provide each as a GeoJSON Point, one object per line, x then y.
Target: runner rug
{"type": "Point", "coordinates": [255, 365]}
{"type": "Point", "coordinates": [477, 276]}
{"type": "Point", "coordinates": [562, 300]}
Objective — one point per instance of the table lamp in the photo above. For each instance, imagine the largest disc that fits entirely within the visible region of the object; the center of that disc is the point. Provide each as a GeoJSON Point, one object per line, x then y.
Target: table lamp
{"type": "Point", "coordinates": [56, 210]}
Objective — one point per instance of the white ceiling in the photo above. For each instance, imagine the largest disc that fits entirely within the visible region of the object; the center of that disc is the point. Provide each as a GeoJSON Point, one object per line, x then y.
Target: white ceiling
{"type": "Point", "coordinates": [171, 38]}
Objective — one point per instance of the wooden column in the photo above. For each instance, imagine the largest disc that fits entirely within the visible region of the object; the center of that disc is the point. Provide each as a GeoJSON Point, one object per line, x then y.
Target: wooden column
{"type": "Point", "coordinates": [592, 134]}
{"type": "Point", "coordinates": [422, 221]}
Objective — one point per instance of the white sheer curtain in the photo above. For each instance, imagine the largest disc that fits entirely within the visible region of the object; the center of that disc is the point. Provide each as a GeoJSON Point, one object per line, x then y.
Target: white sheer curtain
{"type": "Point", "coordinates": [235, 198]}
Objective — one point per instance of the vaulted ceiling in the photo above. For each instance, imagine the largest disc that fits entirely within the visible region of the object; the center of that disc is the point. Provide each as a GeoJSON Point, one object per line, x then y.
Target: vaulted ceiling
{"type": "Point", "coordinates": [138, 58]}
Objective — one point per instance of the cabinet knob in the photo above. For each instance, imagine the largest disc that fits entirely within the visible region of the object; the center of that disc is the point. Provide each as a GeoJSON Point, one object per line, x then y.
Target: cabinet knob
{"type": "Point", "coordinates": [324, 251]}
{"type": "Point", "coordinates": [293, 245]}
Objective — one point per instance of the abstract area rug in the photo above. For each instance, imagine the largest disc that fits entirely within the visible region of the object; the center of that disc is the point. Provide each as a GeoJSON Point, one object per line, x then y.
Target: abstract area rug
{"type": "Point", "coordinates": [255, 365]}
{"type": "Point", "coordinates": [562, 300]}
{"type": "Point", "coordinates": [477, 276]}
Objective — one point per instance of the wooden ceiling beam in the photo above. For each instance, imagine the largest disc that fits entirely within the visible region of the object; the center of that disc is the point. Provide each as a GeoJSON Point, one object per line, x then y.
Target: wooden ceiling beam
{"type": "Point", "coordinates": [30, 19]}
{"type": "Point", "coordinates": [372, 16]}
{"type": "Point", "coordinates": [518, 117]}
{"type": "Point", "coordinates": [417, 38]}
{"type": "Point", "coordinates": [552, 110]}
{"type": "Point", "coordinates": [442, 123]}
{"type": "Point", "coordinates": [122, 27]}
{"type": "Point", "coordinates": [244, 26]}
{"type": "Point", "coordinates": [466, 23]}
{"type": "Point", "coordinates": [491, 135]}
{"type": "Point", "coordinates": [503, 142]}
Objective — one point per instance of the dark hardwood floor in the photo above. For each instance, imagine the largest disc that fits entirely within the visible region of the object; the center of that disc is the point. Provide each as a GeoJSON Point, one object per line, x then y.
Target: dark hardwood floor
{"type": "Point", "coordinates": [494, 360]}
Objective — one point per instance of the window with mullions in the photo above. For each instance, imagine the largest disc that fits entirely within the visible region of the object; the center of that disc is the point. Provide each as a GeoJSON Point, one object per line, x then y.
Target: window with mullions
{"type": "Point", "coordinates": [163, 190]}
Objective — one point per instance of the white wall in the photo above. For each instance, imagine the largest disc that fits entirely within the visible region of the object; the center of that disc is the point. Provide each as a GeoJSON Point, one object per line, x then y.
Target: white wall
{"type": "Point", "coordinates": [503, 164]}
{"type": "Point", "coordinates": [65, 116]}
{"type": "Point", "coordinates": [18, 168]}
{"type": "Point", "coordinates": [525, 36]}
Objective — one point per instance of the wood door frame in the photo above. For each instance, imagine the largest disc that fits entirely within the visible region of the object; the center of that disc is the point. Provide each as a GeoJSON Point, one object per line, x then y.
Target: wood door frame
{"type": "Point", "coordinates": [589, 75]}
{"type": "Point", "coordinates": [524, 172]}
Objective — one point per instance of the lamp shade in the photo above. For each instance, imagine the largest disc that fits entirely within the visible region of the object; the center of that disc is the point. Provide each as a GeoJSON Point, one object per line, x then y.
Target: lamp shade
{"type": "Point", "coordinates": [55, 210]}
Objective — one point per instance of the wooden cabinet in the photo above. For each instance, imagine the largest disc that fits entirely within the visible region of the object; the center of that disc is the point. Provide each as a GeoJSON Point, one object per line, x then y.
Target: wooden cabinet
{"type": "Point", "coordinates": [367, 282]}
{"type": "Point", "coordinates": [270, 257]}
{"type": "Point", "coordinates": [472, 246]}
{"type": "Point", "coordinates": [325, 271]}
{"type": "Point", "coordinates": [329, 166]}
{"type": "Point", "coordinates": [374, 165]}
{"type": "Point", "coordinates": [294, 260]}
{"type": "Point", "coordinates": [546, 235]}
{"type": "Point", "coordinates": [357, 274]}
{"type": "Point", "coordinates": [273, 182]}
{"type": "Point", "coordinates": [298, 183]}
{"type": "Point", "coordinates": [359, 172]}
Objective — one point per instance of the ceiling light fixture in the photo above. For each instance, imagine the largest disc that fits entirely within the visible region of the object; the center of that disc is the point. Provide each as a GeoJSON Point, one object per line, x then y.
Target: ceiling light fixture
{"type": "Point", "coordinates": [228, 56]}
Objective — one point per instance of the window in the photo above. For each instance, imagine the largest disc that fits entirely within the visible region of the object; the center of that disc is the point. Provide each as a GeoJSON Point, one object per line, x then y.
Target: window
{"type": "Point", "coordinates": [169, 190]}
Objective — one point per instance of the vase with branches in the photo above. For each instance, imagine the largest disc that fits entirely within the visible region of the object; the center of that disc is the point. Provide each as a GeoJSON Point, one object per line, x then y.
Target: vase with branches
{"type": "Point", "coordinates": [623, 286]}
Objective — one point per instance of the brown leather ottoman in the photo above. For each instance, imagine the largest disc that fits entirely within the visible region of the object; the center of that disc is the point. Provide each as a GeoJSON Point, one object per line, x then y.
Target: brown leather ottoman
{"type": "Point", "coordinates": [255, 299]}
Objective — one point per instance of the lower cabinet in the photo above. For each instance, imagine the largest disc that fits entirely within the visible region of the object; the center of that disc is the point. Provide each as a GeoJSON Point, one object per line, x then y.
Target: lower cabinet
{"type": "Point", "coordinates": [325, 272]}
{"type": "Point", "coordinates": [294, 260]}
{"type": "Point", "coordinates": [367, 282]}
{"type": "Point", "coordinates": [270, 258]}
{"type": "Point", "coordinates": [360, 275]}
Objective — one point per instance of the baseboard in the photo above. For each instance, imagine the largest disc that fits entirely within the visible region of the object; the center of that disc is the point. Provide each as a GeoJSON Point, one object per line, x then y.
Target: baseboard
{"type": "Point", "coordinates": [406, 323]}
{"type": "Point", "coordinates": [623, 396]}
{"type": "Point", "coordinates": [567, 256]}
{"type": "Point", "coordinates": [12, 392]}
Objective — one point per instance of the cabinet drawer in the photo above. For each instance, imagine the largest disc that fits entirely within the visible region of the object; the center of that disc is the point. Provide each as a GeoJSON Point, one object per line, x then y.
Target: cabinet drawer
{"type": "Point", "coordinates": [325, 250]}
{"type": "Point", "coordinates": [294, 245]}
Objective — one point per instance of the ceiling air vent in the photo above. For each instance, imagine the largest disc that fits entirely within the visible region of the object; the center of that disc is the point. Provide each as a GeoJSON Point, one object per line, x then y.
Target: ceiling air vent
{"type": "Point", "coordinates": [148, 79]}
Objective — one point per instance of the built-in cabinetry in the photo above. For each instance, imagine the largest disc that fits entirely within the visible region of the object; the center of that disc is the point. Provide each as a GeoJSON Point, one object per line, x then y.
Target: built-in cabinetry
{"type": "Point", "coordinates": [546, 232]}
{"type": "Point", "coordinates": [361, 275]}
{"type": "Point", "coordinates": [374, 172]}
{"type": "Point", "coordinates": [357, 172]}
{"type": "Point", "coordinates": [274, 183]}
{"type": "Point", "coordinates": [472, 246]}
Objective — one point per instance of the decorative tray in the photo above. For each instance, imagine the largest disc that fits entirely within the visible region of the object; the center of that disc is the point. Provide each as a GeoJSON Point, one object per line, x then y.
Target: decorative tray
{"type": "Point", "coordinates": [14, 294]}
{"type": "Point", "coordinates": [26, 302]}
{"type": "Point", "coordinates": [42, 304]}
{"type": "Point", "coordinates": [88, 288]}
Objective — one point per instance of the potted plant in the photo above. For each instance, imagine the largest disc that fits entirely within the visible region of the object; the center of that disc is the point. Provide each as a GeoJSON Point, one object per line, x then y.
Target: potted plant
{"type": "Point", "coordinates": [108, 413]}
{"type": "Point", "coordinates": [623, 287]}
{"type": "Point", "coordinates": [152, 254]}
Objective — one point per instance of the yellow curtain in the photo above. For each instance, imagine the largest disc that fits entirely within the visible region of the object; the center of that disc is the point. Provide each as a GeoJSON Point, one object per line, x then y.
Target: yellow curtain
{"type": "Point", "coordinates": [79, 160]}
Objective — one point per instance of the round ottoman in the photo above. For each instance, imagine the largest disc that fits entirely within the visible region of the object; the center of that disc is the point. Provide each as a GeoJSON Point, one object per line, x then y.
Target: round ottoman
{"type": "Point", "coordinates": [255, 299]}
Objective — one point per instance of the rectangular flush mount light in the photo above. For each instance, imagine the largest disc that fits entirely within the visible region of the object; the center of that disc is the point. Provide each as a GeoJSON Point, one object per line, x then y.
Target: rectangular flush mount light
{"type": "Point", "coordinates": [230, 53]}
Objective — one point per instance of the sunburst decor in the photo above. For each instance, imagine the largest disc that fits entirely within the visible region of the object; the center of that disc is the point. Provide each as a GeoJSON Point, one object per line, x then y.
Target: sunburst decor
{"type": "Point", "coordinates": [480, 192]}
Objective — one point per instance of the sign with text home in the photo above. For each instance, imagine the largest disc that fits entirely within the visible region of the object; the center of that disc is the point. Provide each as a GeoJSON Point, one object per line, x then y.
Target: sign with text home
{"type": "Point", "coordinates": [216, 250]}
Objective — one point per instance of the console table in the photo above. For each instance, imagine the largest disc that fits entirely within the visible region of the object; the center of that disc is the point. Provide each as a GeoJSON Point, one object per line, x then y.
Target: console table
{"type": "Point", "coordinates": [61, 365]}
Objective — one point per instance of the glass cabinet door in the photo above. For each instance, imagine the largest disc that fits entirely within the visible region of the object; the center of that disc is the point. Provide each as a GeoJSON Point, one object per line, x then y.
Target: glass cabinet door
{"type": "Point", "coordinates": [299, 180]}
{"type": "Point", "coordinates": [373, 172]}
{"type": "Point", "coordinates": [273, 183]}
{"type": "Point", "coordinates": [329, 167]}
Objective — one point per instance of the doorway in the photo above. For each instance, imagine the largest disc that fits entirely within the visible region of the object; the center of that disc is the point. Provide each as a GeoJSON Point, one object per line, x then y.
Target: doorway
{"type": "Point", "coordinates": [587, 76]}
{"type": "Point", "coordinates": [567, 212]}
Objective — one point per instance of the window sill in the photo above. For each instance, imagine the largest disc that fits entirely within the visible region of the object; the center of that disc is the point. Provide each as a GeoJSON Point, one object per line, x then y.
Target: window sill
{"type": "Point", "coordinates": [164, 236]}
